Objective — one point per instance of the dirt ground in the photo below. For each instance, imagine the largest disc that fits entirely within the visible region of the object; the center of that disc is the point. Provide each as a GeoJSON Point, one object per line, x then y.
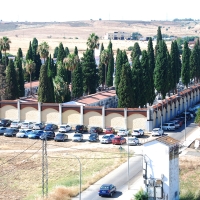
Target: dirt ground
{"type": "Point", "coordinates": [73, 34]}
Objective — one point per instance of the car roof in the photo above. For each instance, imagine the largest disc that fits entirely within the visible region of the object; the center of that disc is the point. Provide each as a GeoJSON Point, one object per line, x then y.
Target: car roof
{"type": "Point", "coordinates": [106, 185]}
{"type": "Point", "coordinates": [156, 129]}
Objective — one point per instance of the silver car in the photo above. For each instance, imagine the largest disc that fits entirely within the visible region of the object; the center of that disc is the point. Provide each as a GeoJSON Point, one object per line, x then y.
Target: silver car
{"type": "Point", "coordinates": [123, 132]}
{"type": "Point", "coordinates": [65, 128]}
{"type": "Point", "coordinates": [106, 139]}
{"type": "Point", "coordinates": [15, 124]}
{"type": "Point", "coordinates": [77, 137]}
{"type": "Point", "coordinates": [28, 125]}
{"type": "Point", "coordinates": [38, 126]}
{"type": "Point", "coordinates": [133, 141]}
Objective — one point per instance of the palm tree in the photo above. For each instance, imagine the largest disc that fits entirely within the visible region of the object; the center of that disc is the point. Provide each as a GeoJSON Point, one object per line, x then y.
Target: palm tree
{"type": "Point", "coordinates": [5, 45]}
{"type": "Point", "coordinates": [93, 41]}
{"type": "Point", "coordinates": [30, 68]}
{"type": "Point", "coordinates": [105, 56]}
{"type": "Point", "coordinates": [71, 63]}
{"type": "Point", "coordinates": [43, 50]}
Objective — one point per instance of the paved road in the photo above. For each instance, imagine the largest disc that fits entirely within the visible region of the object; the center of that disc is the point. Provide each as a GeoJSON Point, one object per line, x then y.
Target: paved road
{"type": "Point", "coordinates": [119, 177]}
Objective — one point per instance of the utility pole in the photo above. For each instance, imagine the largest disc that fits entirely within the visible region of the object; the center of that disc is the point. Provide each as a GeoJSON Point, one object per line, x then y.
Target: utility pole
{"type": "Point", "coordinates": [44, 168]}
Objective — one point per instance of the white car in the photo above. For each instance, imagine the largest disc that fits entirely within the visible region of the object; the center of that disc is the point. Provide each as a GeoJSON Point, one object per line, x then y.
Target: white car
{"type": "Point", "coordinates": [157, 132]}
{"type": "Point", "coordinates": [168, 126]}
{"type": "Point", "coordinates": [123, 132]}
{"type": "Point", "coordinates": [137, 132]}
{"type": "Point", "coordinates": [23, 133]}
{"type": "Point", "coordinates": [16, 124]}
{"type": "Point", "coordinates": [77, 137]}
{"type": "Point", "coordinates": [133, 141]}
{"type": "Point", "coordinates": [65, 128]}
{"type": "Point", "coordinates": [28, 125]}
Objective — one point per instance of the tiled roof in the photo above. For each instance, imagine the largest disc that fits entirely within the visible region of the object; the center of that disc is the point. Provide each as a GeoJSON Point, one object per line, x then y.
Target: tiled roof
{"type": "Point", "coordinates": [34, 84]}
{"type": "Point", "coordinates": [169, 141]}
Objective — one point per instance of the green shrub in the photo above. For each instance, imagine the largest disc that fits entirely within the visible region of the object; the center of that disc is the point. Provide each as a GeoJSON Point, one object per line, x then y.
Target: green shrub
{"type": "Point", "coordinates": [141, 195]}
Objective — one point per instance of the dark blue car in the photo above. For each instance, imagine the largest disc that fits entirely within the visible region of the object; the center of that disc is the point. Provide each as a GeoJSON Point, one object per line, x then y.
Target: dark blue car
{"type": "Point", "coordinates": [35, 134]}
{"type": "Point", "coordinates": [50, 127]}
{"type": "Point", "coordinates": [107, 190]}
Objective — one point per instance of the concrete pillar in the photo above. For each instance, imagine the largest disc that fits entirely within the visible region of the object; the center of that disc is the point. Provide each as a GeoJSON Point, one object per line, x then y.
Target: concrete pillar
{"type": "Point", "coordinates": [81, 118]}
{"type": "Point", "coordinates": [103, 117]}
{"type": "Point", "coordinates": [39, 112]}
{"type": "Point", "coordinates": [60, 113]}
{"type": "Point", "coordinates": [125, 119]}
{"type": "Point", "coordinates": [18, 109]}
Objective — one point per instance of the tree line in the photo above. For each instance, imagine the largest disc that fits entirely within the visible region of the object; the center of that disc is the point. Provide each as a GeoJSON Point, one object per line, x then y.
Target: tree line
{"type": "Point", "coordinates": [67, 79]}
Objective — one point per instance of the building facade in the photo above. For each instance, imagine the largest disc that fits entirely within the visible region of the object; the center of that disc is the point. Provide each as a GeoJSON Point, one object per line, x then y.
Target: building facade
{"type": "Point", "coordinates": [117, 36]}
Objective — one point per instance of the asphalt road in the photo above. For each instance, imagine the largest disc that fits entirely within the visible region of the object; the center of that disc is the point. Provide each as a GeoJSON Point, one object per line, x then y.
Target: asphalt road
{"type": "Point", "coordinates": [119, 177]}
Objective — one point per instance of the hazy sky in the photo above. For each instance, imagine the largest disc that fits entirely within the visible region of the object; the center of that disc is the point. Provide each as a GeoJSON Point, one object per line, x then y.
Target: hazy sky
{"type": "Point", "coordinates": [73, 10]}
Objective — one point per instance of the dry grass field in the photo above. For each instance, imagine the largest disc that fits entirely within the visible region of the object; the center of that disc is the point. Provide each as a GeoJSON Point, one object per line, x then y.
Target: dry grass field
{"type": "Point", "coordinates": [75, 33]}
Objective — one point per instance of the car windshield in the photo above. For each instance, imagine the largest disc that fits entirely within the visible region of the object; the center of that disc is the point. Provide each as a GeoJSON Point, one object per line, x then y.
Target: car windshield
{"type": "Point", "coordinates": [122, 130]}
{"type": "Point", "coordinates": [9, 130]}
{"type": "Point", "coordinates": [14, 123]}
{"type": "Point", "coordinates": [108, 129]}
{"type": "Point", "coordinates": [106, 136]}
{"type": "Point", "coordinates": [77, 135]}
{"type": "Point", "coordinates": [62, 126]}
{"type": "Point", "coordinates": [131, 139]}
{"type": "Point", "coordinates": [49, 125]}
{"type": "Point", "coordinates": [136, 131]}
{"type": "Point", "coordinates": [22, 131]}
{"type": "Point", "coordinates": [37, 124]}
{"type": "Point", "coordinates": [25, 124]}
{"type": "Point", "coordinates": [104, 188]}
{"type": "Point", "coordinates": [3, 121]}
{"type": "Point", "coordinates": [59, 135]}
{"type": "Point", "coordinates": [92, 135]}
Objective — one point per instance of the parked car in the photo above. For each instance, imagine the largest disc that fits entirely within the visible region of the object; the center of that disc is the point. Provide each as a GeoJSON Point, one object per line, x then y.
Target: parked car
{"type": "Point", "coordinates": [5, 122]}
{"type": "Point", "coordinates": [93, 137]}
{"type": "Point", "coordinates": [168, 126]}
{"type": "Point", "coordinates": [107, 138]}
{"type": "Point", "coordinates": [23, 133]}
{"type": "Point", "coordinates": [50, 127]}
{"type": "Point", "coordinates": [178, 120]}
{"type": "Point", "coordinates": [118, 140]}
{"type": "Point", "coordinates": [2, 130]}
{"type": "Point", "coordinates": [38, 126]}
{"type": "Point", "coordinates": [176, 123]}
{"type": "Point", "coordinates": [107, 190]}
{"type": "Point", "coordinates": [133, 141]}
{"type": "Point", "coordinates": [81, 129]}
{"type": "Point", "coordinates": [65, 128]}
{"type": "Point", "coordinates": [35, 134]}
{"type": "Point", "coordinates": [123, 132]}
{"type": "Point", "coordinates": [95, 129]}
{"type": "Point", "coordinates": [157, 132]}
{"type": "Point", "coordinates": [137, 132]}
{"type": "Point", "coordinates": [27, 125]}
{"type": "Point", "coordinates": [110, 130]}
{"type": "Point", "coordinates": [60, 137]}
{"type": "Point", "coordinates": [77, 137]}
{"type": "Point", "coordinates": [15, 124]}
{"type": "Point", "coordinates": [10, 132]}
{"type": "Point", "coordinates": [47, 135]}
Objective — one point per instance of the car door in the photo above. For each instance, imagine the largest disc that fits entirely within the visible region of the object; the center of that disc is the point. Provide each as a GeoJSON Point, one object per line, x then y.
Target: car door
{"type": "Point", "coordinates": [67, 128]}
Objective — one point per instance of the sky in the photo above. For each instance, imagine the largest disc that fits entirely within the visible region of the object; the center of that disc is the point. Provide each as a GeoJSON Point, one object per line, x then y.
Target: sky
{"type": "Point", "coordinates": [75, 10]}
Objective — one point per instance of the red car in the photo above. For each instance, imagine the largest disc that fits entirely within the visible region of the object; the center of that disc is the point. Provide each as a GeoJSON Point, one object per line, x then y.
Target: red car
{"type": "Point", "coordinates": [118, 140]}
{"type": "Point", "coordinates": [110, 130]}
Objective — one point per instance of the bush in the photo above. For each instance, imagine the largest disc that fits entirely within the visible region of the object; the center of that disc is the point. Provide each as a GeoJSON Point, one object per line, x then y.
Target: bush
{"type": "Point", "coordinates": [141, 195]}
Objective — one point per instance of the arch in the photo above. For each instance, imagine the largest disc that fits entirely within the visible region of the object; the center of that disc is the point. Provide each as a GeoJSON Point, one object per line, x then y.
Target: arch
{"type": "Point", "coordinates": [115, 120]}
{"type": "Point", "coordinates": [92, 119]}
{"type": "Point", "coordinates": [9, 112]}
{"type": "Point", "coordinates": [71, 117]}
{"type": "Point", "coordinates": [137, 121]}
{"type": "Point", "coordinates": [50, 115]}
{"type": "Point", "coordinates": [29, 114]}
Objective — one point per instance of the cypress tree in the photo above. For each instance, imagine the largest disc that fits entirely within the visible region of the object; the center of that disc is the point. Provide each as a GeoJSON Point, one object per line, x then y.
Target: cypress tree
{"type": "Point", "coordinates": [136, 51]}
{"type": "Point", "coordinates": [124, 57]}
{"type": "Point", "coordinates": [109, 78]}
{"type": "Point", "coordinates": [34, 48]}
{"type": "Point", "coordinates": [185, 71]}
{"type": "Point", "coordinates": [151, 58]}
{"type": "Point", "coordinates": [20, 75]}
{"type": "Point", "coordinates": [173, 67]}
{"type": "Point", "coordinates": [29, 55]}
{"type": "Point", "coordinates": [158, 39]}
{"type": "Point", "coordinates": [90, 78]}
{"type": "Point", "coordinates": [38, 64]}
{"type": "Point", "coordinates": [61, 71]}
{"type": "Point", "coordinates": [178, 61]}
{"type": "Point", "coordinates": [11, 91]}
{"type": "Point", "coordinates": [53, 67]}
{"type": "Point", "coordinates": [77, 82]}
{"type": "Point", "coordinates": [51, 96]}
{"type": "Point", "coordinates": [170, 84]}
{"type": "Point", "coordinates": [160, 71]}
{"type": "Point", "coordinates": [145, 86]}
{"type": "Point", "coordinates": [76, 51]}
{"type": "Point", "coordinates": [101, 71]}
{"type": "Point", "coordinates": [137, 82]}
{"type": "Point", "coordinates": [125, 89]}
{"type": "Point", "coordinates": [118, 69]}
{"type": "Point", "coordinates": [194, 63]}
{"type": "Point", "coordinates": [0, 57]}
{"type": "Point", "coordinates": [55, 54]}
{"type": "Point", "coordinates": [61, 53]}
{"type": "Point", "coordinates": [66, 51]}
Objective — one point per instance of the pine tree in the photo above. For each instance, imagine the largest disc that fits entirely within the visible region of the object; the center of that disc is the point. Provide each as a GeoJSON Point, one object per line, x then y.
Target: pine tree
{"type": "Point", "coordinates": [76, 51]}
{"type": "Point", "coordinates": [101, 71]}
{"type": "Point", "coordinates": [55, 54]}
{"type": "Point", "coordinates": [118, 69]}
{"type": "Point", "coordinates": [137, 82]}
{"type": "Point", "coordinates": [125, 89]}
{"type": "Point", "coordinates": [90, 78]}
{"type": "Point", "coordinates": [11, 80]}
{"type": "Point", "coordinates": [20, 74]}
{"type": "Point", "coordinates": [110, 67]}
{"type": "Point", "coordinates": [29, 55]}
{"type": "Point", "coordinates": [77, 82]}
{"type": "Point", "coordinates": [135, 52]}
{"type": "Point", "coordinates": [160, 70]}
{"type": "Point", "coordinates": [151, 58]}
{"type": "Point", "coordinates": [185, 71]}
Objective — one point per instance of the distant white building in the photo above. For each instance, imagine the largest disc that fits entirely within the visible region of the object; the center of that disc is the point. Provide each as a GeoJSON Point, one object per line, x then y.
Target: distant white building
{"type": "Point", "coordinates": [117, 36]}
{"type": "Point", "coordinates": [161, 168]}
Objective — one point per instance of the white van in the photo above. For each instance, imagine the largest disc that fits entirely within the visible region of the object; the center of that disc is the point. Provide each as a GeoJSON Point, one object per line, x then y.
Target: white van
{"type": "Point", "coordinates": [168, 126]}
